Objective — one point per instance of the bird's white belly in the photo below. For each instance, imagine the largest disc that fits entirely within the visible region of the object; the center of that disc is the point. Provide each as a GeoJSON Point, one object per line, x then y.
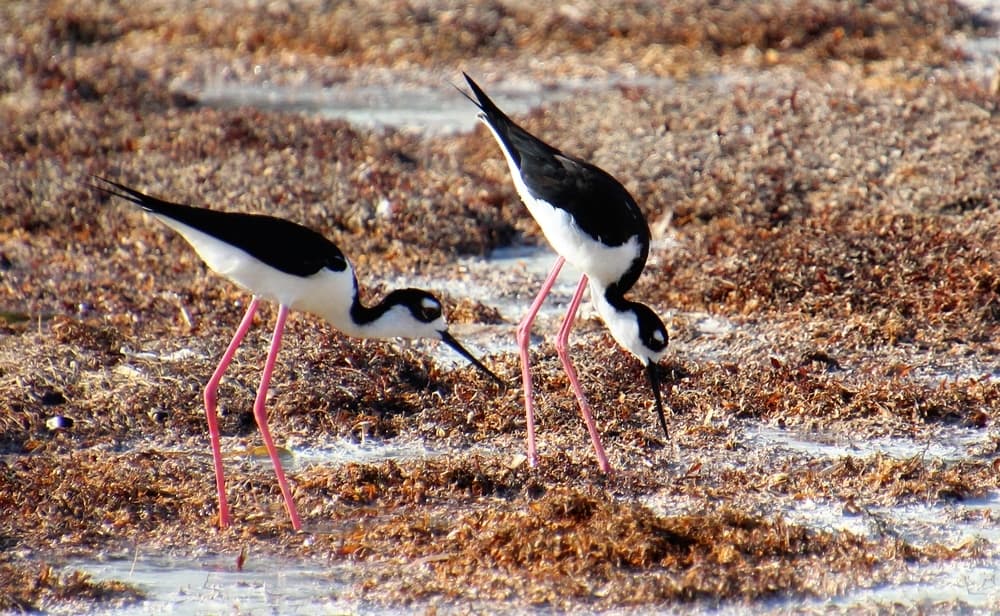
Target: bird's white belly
{"type": "Point", "coordinates": [602, 263]}
{"type": "Point", "coordinates": [326, 293]}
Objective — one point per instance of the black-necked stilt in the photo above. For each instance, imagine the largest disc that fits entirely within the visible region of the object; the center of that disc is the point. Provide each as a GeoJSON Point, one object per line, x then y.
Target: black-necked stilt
{"type": "Point", "coordinates": [299, 269]}
{"type": "Point", "coordinates": [591, 221]}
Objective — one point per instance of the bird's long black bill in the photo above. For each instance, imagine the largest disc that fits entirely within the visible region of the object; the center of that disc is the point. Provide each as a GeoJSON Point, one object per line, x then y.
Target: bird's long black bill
{"type": "Point", "coordinates": [653, 372]}
{"type": "Point", "coordinates": [450, 341]}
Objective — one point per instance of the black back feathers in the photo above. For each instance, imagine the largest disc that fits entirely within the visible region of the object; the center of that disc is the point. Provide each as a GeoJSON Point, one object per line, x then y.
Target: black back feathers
{"type": "Point", "coordinates": [279, 243]}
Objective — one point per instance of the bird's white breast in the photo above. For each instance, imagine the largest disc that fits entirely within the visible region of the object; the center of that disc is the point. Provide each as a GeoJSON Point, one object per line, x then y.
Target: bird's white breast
{"type": "Point", "coordinates": [602, 263]}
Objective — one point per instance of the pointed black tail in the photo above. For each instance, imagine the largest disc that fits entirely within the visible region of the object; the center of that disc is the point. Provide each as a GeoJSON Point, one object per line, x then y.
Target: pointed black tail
{"type": "Point", "coordinates": [514, 139]}
{"type": "Point", "coordinates": [146, 202]}
{"type": "Point", "coordinates": [493, 115]}
{"type": "Point", "coordinates": [484, 102]}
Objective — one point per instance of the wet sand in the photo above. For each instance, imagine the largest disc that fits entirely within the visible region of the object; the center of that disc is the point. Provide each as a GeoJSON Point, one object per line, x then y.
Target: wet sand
{"type": "Point", "coordinates": [822, 185]}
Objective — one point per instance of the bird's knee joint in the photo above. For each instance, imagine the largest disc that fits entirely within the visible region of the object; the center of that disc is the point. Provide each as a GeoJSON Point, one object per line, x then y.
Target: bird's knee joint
{"type": "Point", "coordinates": [523, 334]}
{"type": "Point", "coordinates": [562, 347]}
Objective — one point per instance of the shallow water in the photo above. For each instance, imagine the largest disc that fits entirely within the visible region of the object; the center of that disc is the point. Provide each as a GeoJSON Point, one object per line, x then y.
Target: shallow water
{"type": "Point", "coordinates": [429, 109]}
{"type": "Point", "coordinates": [982, 54]}
{"type": "Point", "coordinates": [368, 451]}
{"type": "Point", "coordinates": [949, 444]}
{"type": "Point", "coordinates": [432, 110]}
{"type": "Point", "coordinates": [970, 522]}
{"type": "Point", "coordinates": [213, 584]}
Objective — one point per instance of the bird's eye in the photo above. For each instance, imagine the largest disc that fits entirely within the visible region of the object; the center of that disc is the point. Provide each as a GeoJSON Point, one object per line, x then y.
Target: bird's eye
{"type": "Point", "coordinates": [430, 309]}
{"type": "Point", "coordinates": [656, 339]}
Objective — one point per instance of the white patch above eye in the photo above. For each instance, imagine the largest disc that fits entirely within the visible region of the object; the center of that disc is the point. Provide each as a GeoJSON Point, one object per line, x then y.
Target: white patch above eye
{"type": "Point", "coordinates": [429, 304]}
{"type": "Point", "coordinates": [658, 336]}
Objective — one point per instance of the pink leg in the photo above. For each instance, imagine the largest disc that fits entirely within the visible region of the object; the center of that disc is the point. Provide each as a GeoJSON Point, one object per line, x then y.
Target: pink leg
{"type": "Point", "coordinates": [260, 413]}
{"type": "Point", "coordinates": [562, 347]}
{"type": "Point", "coordinates": [211, 391]}
{"type": "Point", "coordinates": [523, 339]}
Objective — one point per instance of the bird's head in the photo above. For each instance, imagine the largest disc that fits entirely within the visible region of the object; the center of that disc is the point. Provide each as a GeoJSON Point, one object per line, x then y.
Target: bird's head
{"type": "Point", "coordinates": [419, 314]}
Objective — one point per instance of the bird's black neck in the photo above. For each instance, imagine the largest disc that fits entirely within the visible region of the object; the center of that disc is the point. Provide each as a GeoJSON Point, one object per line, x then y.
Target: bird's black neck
{"type": "Point", "coordinates": [365, 315]}
{"type": "Point", "coordinates": [616, 290]}
{"type": "Point", "coordinates": [416, 305]}
{"type": "Point", "coordinates": [633, 324]}
{"type": "Point", "coordinates": [614, 294]}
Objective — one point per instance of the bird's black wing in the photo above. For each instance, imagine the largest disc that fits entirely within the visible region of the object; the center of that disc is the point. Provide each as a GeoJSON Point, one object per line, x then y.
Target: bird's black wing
{"type": "Point", "coordinates": [598, 203]}
{"type": "Point", "coordinates": [282, 244]}
{"type": "Point", "coordinates": [602, 207]}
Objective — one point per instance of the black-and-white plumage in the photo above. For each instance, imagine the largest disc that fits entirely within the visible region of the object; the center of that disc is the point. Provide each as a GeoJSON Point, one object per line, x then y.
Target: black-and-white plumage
{"type": "Point", "coordinates": [592, 222]}
{"type": "Point", "coordinates": [299, 269]}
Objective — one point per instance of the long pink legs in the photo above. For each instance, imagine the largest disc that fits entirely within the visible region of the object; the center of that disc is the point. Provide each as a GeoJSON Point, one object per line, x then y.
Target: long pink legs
{"type": "Point", "coordinates": [260, 414]}
{"type": "Point", "coordinates": [523, 338]}
{"type": "Point", "coordinates": [562, 347]}
{"type": "Point", "coordinates": [211, 391]}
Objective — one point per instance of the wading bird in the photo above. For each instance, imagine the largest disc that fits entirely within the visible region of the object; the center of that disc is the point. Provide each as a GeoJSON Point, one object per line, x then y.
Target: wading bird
{"type": "Point", "coordinates": [299, 269]}
{"type": "Point", "coordinates": [592, 222]}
